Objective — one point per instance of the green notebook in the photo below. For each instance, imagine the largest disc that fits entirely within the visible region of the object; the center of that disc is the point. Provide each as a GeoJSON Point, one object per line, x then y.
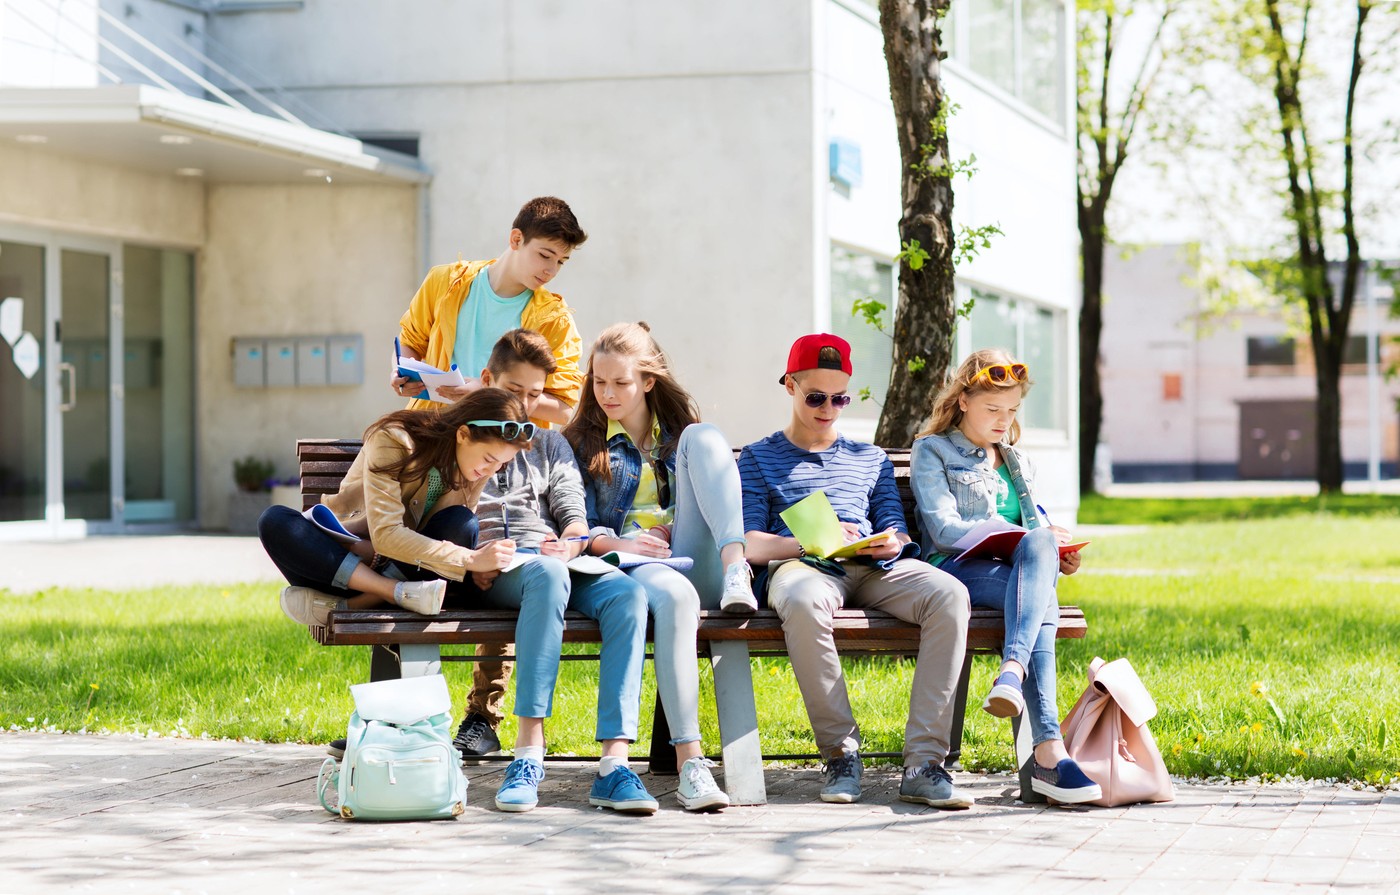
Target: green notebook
{"type": "Point", "coordinates": [815, 525]}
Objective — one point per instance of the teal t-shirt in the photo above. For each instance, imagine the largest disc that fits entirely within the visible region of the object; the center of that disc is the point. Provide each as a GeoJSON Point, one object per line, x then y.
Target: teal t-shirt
{"type": "Point", "coordinates": [484, 318]}
{"type": "Point", "coordinates": [1008, 504]}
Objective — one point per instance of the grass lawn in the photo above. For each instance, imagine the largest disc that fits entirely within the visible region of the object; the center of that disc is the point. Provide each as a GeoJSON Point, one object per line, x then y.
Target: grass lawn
{"type": "Point", "coordinates": [1271, 648]}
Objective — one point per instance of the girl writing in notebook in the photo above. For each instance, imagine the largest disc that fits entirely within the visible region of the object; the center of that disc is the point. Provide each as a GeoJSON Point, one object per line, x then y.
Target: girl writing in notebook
{"type": "Point", "coordinates": [409, 496]}
{"type": "Point", "coordinates": [965, 470]}
{"type": "Point", "coordinates": [660, 483]}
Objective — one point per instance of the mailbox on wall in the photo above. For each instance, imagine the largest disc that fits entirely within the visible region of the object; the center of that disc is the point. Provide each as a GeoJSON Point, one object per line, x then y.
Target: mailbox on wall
{"type": "Point", "coordinates": [249, 367]}
{"type": "Point", "coordinates": [298, 361]}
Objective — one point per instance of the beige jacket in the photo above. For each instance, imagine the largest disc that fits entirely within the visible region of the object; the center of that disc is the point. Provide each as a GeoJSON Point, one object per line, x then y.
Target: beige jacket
{"type": "Point", "coordinates": [390, 512]}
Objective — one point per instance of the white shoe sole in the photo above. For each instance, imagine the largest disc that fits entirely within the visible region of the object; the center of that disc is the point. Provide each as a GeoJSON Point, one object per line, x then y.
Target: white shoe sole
{"type": "Point", "coordinates": [1067, 796]}
{"type": "Point", "coordinates": [636, 806]}
{"type": "Point", "coordinates": [482, 757]}
{"type": "Point", "coordinates": [1004, 702]}
{"type": "Point", "coordinates": [515, 807]}
{"type": "Point", "coordinates": [840, 798]}
{"type": "Point", "coordinates": [957, 804]}
{"type": "Point", "coordinates": [709, 802]}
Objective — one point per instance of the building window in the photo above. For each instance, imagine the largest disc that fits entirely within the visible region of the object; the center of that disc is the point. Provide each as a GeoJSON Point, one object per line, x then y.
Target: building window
{"type": "Point", "coordinates": [1018, 45]}
{"type": "Point", "coordinates": [856, 276]}
{"type": "Point", "coordinates": [1034, 335]}
{"type": "Point", "coordinates": [1265, 355]}
{"type": "Point", "coordinates": [1354, 354]}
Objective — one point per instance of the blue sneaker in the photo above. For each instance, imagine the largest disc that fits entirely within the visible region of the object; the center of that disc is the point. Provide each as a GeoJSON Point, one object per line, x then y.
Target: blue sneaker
{"type": "Point", "coordinates": [521, 789]}
{"type": "Point", "coordinates": [621, 790]}
{"type": "Point", "coordinates": [1065, 783]}
{"type": "Point", "coordinates": [1005, 699]}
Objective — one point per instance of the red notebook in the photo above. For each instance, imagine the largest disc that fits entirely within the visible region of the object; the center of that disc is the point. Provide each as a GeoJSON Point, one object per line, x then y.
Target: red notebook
{"type": "Point", "coordinates": [997, 539]}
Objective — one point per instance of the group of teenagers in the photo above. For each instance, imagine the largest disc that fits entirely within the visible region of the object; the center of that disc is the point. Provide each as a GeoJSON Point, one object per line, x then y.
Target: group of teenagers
{"type": "Point", "coordinates": [483, 501]}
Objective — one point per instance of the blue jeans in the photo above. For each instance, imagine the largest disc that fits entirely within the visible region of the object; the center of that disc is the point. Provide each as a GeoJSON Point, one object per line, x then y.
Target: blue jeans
{"type": "Point", "coordinates": [541, 590]}
{"type": "Point", "coordinates": [308, 557]}
{"type": "Point", "coordinates": [708, 516]}
{"type": "Point", "coordinates": [1024, 591]}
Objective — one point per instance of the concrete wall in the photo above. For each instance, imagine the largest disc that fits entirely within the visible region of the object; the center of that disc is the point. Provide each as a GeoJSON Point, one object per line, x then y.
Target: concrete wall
{"type": "Point", "coordinates": [295, 260]}
{"type": "Point", "coordinates": [41, 189]}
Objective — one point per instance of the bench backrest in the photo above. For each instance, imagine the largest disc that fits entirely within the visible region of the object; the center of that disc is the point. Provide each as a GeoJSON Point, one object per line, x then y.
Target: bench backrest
{"type": "Point", "coordinates": [323, 462]}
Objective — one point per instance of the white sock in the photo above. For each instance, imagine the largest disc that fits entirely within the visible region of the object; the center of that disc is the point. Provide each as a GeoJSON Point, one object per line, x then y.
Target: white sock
{"type": "Point", "coordinates": [534, 753]}
{"type": "Point", "coordinates": [609, 763]}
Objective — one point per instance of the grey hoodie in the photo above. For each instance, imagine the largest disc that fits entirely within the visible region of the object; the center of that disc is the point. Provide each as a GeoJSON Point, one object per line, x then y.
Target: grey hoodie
{"type": "Point", "coordinates": [540, 488]}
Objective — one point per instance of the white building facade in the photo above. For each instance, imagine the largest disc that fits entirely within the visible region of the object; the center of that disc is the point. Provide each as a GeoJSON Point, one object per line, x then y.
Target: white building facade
{"type": "Point", "coordinates": [693, 140]}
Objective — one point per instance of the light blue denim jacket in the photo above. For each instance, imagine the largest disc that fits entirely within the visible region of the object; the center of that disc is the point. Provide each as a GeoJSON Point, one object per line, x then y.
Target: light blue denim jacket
{"type": "Point", "coordinates": [956, 485]}
{"type": "Point", "coordinates": [607, 503]}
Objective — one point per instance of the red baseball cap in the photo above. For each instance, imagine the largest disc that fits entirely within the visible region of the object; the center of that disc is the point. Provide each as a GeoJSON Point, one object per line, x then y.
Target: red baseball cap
{"type": "Point", "coordinates": [806, 355]}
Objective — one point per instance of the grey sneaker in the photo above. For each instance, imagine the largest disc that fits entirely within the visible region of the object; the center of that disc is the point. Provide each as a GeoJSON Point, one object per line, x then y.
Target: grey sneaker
{"type": "Point", "coordinates": [932, 785]}
{"type": "Point", "coordinates": [843, 778]}
{"type": "Point", "coordinates": [698, 790]}
{"type": "Point", "coordinates": [309, 607]}
{"type": "Point", "coordinates": [476, 738]}
{"type": "Point", "coordinates": [738, 595]}
{"type": "Point", "coordinates": [422, 597]}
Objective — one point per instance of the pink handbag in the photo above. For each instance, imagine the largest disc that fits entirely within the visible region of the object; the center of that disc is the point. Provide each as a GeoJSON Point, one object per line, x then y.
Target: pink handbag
{"type": "Point", "coordinates": [1106, 733]}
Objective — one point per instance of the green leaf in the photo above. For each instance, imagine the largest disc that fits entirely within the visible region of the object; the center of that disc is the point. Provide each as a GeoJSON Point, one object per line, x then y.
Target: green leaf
{"type": "Point", "coordinates": [915, 364]}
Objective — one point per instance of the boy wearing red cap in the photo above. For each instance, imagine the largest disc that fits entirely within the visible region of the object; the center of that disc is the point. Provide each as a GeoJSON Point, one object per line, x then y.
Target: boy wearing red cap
{"type": "Point", "coordinates": [810, 455]}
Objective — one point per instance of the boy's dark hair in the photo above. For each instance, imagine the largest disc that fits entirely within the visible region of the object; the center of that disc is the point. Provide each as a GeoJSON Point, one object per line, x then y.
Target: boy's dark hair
{"type": "Point", "coordinates": [522, 346]}
{"type": "Point", "coordinates": [549, 218]}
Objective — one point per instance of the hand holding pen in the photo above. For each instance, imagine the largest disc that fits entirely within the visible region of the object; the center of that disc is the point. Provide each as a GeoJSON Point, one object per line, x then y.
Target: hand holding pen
{"type": "Point", "coordinates": [646, 543]}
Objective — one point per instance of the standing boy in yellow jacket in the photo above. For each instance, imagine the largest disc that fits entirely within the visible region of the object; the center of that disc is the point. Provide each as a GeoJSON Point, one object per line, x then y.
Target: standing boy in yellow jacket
{"type": "Point", "coordinates": [458, 314]}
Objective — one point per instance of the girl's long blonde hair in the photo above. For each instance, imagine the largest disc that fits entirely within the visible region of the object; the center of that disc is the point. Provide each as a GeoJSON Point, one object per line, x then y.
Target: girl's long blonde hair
{"type": "Point", "coordinates": [946, 412]}
{"type": "Point", "coordinates": [674, 408]}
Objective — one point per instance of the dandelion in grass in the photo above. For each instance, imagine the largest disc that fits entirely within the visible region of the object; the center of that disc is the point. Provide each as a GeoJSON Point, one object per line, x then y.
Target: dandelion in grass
{"type": "Point", "coordinates": [1256, 727]}
{"type": "Point", "coordinates": [1300, 752]}
{"type": "Point", "coordinates": [1200, 739]}
{"type": "Point", "coordinates": [1258, 689]}
{"type": "Point", "coordinates": [1244, 728]}
{"type": "Point", "coordinates": [1176, 750]}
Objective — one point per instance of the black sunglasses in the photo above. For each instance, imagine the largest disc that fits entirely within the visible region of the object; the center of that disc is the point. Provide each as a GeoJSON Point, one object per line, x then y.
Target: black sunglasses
{"type": "Point", "coordinates": [510, 429]}
{"type": "Point", "coordinates": [817, 399]}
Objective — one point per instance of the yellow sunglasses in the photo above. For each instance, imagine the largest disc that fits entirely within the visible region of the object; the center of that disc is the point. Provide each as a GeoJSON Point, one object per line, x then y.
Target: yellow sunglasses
{"type": "Point", "coordinates": [1002, 373]}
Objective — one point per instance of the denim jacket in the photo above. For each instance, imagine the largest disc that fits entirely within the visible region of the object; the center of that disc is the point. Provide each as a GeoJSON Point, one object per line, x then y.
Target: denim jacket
{"type": "Point", "coordinates": [956, 485]}
{"type": "Point", "coordinates": [607, 503]}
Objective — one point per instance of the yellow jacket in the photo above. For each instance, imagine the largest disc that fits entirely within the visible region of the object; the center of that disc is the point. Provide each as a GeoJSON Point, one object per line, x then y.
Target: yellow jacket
{"type": "Point", "coordinates": [390, 512]}
{"type": "Point", "coordinates": [429, 327]}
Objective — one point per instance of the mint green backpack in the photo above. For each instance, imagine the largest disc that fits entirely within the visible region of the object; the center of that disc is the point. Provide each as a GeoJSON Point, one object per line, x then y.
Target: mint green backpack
{"type": "Point", "coordinates": [399, 761]}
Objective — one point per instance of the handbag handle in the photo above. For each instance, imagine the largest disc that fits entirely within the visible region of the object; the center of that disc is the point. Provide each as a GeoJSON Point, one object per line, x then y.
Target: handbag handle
{"type": "Point", "coordinates": [328, 776]}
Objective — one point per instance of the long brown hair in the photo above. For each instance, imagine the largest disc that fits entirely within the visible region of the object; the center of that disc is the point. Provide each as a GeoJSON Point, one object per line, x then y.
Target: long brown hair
{"type": "Point", "coordinates": [434, 435]}
{"type": "Point", "coordinates": [947, 413]}
{"type": "Point", "coordinates": [672, 405]}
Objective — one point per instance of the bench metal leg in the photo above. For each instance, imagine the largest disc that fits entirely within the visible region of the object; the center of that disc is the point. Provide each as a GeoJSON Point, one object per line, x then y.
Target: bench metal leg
{"type": "Point", "coordinates": [404, 660]}
{"type": "Point", "coordinates": [663, 754]}
{"type": "Point", "coordinates": [959, 716]}
{"type": "Point", "coordinates": [1025, 754]}
{"type": "Point", "coordinates": [738, 723]}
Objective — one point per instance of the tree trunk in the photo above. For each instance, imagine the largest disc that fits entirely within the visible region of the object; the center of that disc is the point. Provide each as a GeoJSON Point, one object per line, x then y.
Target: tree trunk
{"type": "Point", "coordinates": [925, 315]}
{"type": "Point", "coordinates": [1329, 418]}
{"type": "Point", "coordinates": [1091, 237]}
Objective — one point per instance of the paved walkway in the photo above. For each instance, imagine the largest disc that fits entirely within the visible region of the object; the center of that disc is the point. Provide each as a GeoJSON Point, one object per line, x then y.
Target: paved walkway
{"type": "Point", "coordinates": [119, 813]}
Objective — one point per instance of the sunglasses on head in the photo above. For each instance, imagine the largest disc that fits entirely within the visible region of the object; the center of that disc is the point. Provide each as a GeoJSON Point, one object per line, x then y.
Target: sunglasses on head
{"type": "Point", "coordinates": [817, 399]}
{"type": "Point", "coordinates": [1000, 373]}
{"type": "Point", "coordinates": [510, 429]}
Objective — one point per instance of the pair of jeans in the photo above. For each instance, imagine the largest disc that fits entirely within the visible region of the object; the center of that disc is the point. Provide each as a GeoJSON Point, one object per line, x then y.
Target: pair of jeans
{"type": "Point", "coordinates": [708, 516]}
{"type": "Point", "coordinates": [541, 589]}
{"type": "Point", "coordinates": [911, 590]}
{"type": "Point", "coordinates": [308, 557]}
{"type": "Point", "coordinates": [1024, 591]}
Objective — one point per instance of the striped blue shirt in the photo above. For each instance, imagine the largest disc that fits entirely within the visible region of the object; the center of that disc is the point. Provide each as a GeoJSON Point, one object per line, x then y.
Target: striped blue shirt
{"type": "Point", "coordinates": [858, 479]}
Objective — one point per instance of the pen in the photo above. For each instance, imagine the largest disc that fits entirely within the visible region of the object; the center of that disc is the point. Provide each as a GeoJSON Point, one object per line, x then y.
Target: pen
{"type": "Point", "coordinates": [576, 538]}
{"type": "Point", "coordinates": [1045, 514]}
{"type": "Point", "coordinates": [505, 521]}
{"type": "Point", "coordinates": [398, 351]}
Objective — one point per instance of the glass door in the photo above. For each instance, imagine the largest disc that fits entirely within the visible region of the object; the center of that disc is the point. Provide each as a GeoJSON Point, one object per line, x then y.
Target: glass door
{"type": "Point", "coordinates": [59, 388]}
{"type": "Point", "coordinates": [86, 383]}
{"type": "Point", "coordinates": [24, 455]}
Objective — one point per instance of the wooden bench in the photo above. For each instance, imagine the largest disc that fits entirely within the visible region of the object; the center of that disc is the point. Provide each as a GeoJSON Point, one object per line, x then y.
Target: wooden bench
{"type": "Point", "coordinates": [404, 644]}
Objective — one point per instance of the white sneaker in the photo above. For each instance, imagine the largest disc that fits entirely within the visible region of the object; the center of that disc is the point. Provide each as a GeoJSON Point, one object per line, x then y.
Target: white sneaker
{"type": "Point", "coordinates": [698, 790]}
{"type": "Point", "coordinates": [309, 607]}
{"type": "Point", "coordinates": [422, 597]}
{"type": "Point", "coordinates": [738, 595]}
